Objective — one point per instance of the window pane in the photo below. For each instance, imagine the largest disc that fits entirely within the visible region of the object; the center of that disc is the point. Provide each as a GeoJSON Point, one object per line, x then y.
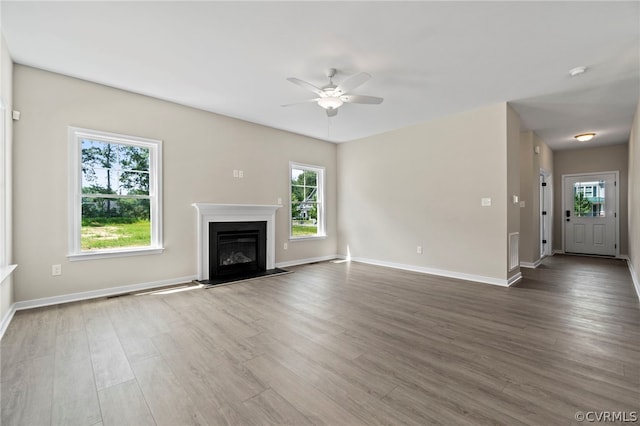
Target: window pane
{"type": "Point", "coordinates": [96, 180]}
{"type": "Point", "coordinates": [110, 168]}
{"type": "Point", "coordinates": [310, 178]}
{"type": "Point", "coordinates": [110, 223]}
{"type": "Point", "coordinates": [589, 199]}
{"type": "Point", "coordinates": [133, 183]}
{"type": "Point", "coordinates": [134, 158]}
{"type": "Point", "coordinates": [311, 194]}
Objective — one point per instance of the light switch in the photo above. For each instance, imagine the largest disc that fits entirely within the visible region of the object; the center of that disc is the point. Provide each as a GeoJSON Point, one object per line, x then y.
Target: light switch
{"type": "Point", "coordinates": [515, 199]}
{"type": "Point", "coordinates": [485, 202]}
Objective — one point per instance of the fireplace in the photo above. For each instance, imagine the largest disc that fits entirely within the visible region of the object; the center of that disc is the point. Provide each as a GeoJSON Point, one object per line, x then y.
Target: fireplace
{"type": "Point", "coordinates": [237, 248]}
{"type": "Point", "coordinates": [232, 214]}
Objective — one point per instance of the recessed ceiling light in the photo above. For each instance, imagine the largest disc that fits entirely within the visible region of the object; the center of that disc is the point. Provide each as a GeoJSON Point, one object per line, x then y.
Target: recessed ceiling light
{"type": "Point", "coordinates": [584, 137]}
{"type": "Point", "coordinates": [577, 71]}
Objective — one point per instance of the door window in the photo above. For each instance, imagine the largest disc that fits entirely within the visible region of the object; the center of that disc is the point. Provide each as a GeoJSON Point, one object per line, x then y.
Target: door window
{"type": "Point", "coordinates": [589, 199]}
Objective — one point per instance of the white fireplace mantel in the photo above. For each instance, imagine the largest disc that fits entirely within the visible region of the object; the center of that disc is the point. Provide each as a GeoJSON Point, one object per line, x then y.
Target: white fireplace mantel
{"type": "Point", "coordinates": [209, 212]}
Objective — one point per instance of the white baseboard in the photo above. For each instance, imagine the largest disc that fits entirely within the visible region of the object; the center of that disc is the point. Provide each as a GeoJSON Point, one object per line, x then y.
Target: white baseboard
{"type": "Point", "coordinates": [514, 279]}
{"type": "Point", "coordinates": [7, 319]}
{"type": "Point", "coordinates": [442, 272]}
{"type": "Point", "coordinates": [531, 265]}
{"type": "Point", "coordinates": [74, 297]}
{"type": "Point", "coordinates": [558, 252]}
{"type": "Point", "coordinates": [634, 278]}
{"type": "Point", "coordinates": [305, 261]}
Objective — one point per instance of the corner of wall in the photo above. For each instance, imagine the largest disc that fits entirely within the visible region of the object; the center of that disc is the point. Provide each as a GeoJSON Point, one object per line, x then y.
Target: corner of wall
{"type": "Point", "coordinates": [634, 201]}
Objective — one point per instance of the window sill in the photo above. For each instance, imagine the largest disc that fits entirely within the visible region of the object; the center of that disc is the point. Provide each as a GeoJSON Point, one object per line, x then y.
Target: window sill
{"type": "Point", "coordinates": [6, 271]}
{"type": "Point", "coordinates": [306, 238]}
{"type": "Point", "coordinates": [106, 254]}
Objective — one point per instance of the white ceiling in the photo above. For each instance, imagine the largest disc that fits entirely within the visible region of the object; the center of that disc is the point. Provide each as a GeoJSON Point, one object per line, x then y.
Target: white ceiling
{"type": "Point", "coordinates": [427, 59]}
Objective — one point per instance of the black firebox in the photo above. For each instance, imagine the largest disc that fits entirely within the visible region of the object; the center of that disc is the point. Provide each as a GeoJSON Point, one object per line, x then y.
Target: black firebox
{"type": "Point", "coordinates": [237, 248]}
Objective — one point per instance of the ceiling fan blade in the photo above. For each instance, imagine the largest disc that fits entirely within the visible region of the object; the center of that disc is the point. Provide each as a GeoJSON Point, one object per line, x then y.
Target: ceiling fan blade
{"type": "Point", "coordinates": [332, 112]}
{"type": "Point", "coordinates": [351, 83]}
{"type": "Point", "coordinates": [307, 86]}
{"type": "Point", "coordinates": [301, 102]}
{"type": "Point", "coordinates": [361, 99]}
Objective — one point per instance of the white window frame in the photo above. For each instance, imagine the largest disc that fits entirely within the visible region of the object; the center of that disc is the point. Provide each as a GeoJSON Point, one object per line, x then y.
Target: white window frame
{"type": "Point", "coordinates": [75, 135]}
{"type": "Point", "coordinates": [321, 197]}
{"type": "Point", "coordinates": [5, 196]}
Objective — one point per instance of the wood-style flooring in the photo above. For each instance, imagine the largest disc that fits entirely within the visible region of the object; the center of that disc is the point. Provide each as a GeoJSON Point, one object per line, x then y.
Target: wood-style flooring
{"type": "Point", "coordinates": [334, 344]}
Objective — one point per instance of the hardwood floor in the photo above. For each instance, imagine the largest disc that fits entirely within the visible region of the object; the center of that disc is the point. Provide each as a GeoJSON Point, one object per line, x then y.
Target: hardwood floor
{"type": "Point", "coordinates": [335, 344]}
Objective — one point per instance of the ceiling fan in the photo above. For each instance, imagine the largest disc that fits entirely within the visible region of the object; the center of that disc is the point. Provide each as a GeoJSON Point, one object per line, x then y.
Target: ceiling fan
{"type": "Point", "coordinates": [331, 97]}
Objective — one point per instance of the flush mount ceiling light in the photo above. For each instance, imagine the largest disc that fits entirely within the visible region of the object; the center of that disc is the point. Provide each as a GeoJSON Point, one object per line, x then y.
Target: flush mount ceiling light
{"type": "Point", "coordinates": [577, 71]}
{"type": "Point", "coordinates": [584, 137]}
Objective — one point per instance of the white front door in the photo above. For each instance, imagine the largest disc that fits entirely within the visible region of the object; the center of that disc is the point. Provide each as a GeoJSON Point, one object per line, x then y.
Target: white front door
{"type": "Point", "coordinates": [590, 214]}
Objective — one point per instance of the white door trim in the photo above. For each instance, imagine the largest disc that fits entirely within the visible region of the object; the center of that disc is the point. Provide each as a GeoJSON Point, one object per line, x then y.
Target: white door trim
{"type": "Point", "coordinates": [617, 216]}
{"type": "Point", "coordinates": [547, 203]}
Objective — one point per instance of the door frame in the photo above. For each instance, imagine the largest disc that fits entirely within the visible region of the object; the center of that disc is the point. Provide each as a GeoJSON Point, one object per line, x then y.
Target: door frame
{"type": "Point", "coordinates": [545, 204]}
{"type": "Point", "coordinates": [617, 212]}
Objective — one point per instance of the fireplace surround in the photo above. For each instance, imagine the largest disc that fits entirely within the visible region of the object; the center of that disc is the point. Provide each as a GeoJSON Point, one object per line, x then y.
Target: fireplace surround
{"type": "Point", "coordinates": [210, 212]}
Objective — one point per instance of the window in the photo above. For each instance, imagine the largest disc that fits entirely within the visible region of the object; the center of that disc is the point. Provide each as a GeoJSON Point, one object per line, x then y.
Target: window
{"type": "Point", "coordinates": [588, 199]}
{"type": "Point", "coordinates": [307, 201]}
{"type": "Point", "coordinates": [115, 195]}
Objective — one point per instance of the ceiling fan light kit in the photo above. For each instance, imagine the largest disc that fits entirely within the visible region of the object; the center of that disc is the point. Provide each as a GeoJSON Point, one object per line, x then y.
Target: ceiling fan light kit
{"type": "Point", "coordinates": [332, 97]}
{"type": "Point", "coordinates": [330, 102]}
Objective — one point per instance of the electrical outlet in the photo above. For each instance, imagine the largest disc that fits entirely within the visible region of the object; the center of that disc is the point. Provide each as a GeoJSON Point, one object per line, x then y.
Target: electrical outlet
{"type": "Point", "coordinates": [279, 201]}
{"type": "Point", "coordinates": [235, 173]}
{"type": "Point", "coordinates": [419, 249]}
{"type": "Point", "coordinates": [56, 270]}
{"type": "Point", "coordinates": [485, 202]}
{"type": "Point", "coordinates": [286, 246]}
{"type": "Point", "coordinates": [241, 173]}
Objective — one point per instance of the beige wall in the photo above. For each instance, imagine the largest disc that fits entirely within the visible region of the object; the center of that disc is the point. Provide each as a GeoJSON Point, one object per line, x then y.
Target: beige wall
{"type": "Point", "coordinates": [634, 199]}
{"type": "Point", "coordinates": [422, 185]}
{"type": "Point", "coordinates": [6, 92]}
{"type": "Point", "coordinates": [200, 149]}
{"type": "Point", "coordinates": [530, 166]}
{"type": "Point", "coordinates": [588, 160]}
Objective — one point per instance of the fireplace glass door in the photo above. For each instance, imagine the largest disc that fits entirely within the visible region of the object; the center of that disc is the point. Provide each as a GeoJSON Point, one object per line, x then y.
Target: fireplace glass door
{"type": "Point", "coordinates": [236, 248]}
